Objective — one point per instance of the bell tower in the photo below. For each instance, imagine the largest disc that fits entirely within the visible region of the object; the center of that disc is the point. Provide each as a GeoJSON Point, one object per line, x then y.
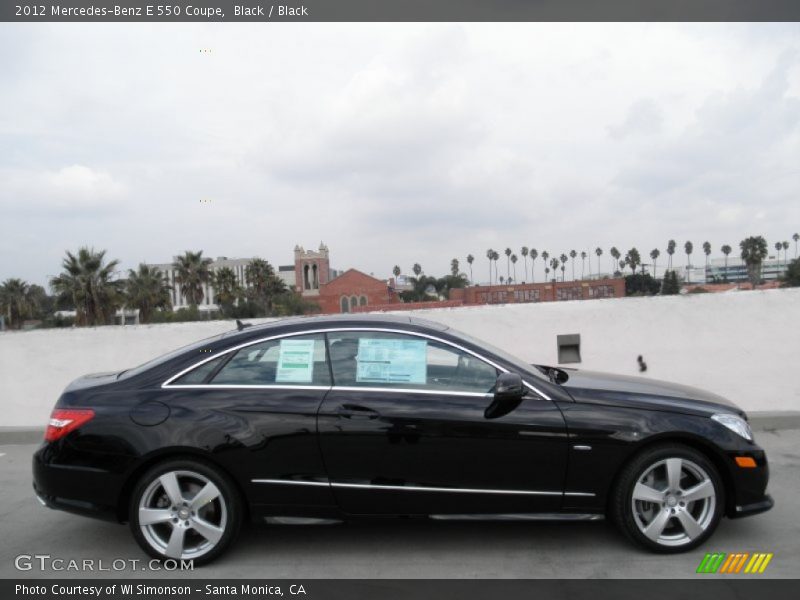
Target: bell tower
{"type": "Point", "coordinates": [311, 269]}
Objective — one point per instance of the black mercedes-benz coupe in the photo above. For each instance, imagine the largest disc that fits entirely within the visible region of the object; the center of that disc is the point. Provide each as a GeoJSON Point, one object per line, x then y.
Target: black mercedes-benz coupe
{"type": "Point", "coordinates": [333, 418]}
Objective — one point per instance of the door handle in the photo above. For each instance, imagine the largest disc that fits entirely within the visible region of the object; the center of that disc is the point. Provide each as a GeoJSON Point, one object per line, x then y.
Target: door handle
{"type": "Point", "coordinates": [349, 411]}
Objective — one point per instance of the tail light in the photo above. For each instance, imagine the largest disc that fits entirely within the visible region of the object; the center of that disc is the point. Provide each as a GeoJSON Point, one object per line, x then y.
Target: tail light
{"type": "Point", "coordinates": [64, 420]}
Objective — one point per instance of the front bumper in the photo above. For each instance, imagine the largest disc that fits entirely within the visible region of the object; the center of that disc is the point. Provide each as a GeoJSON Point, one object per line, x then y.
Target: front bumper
{"type": "Point", "coordinates": [752, 509]}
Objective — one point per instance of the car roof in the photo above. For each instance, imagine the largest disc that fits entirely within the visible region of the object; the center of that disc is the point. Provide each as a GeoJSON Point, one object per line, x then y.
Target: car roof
{"type": "Point", "coordinates": [369, 320]}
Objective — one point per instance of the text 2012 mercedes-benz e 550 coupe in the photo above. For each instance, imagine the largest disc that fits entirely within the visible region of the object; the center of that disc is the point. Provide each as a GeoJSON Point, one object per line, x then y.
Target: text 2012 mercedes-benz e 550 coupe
{"type": "Point", "coordinates": [342, 417]}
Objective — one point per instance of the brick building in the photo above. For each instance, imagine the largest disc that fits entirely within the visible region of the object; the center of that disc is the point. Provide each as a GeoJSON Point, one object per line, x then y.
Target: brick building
{"type": "Point", "coordinates": [540, 292]}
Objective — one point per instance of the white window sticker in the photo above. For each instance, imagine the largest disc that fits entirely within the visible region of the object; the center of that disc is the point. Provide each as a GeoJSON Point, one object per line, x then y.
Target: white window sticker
{"type": "Point", "coordinates": [391, 361]}
{"type": "Point", "coordinates": [295, 362]}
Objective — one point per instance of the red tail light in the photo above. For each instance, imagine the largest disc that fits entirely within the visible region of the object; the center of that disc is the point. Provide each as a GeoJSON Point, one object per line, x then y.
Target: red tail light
{"type": "Point", "coordinates": [64, 420]}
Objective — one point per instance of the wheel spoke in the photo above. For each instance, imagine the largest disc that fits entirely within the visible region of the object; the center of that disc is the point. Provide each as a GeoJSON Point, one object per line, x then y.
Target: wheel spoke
{"type": "Point", "coordinates": [209, 531]}
{"type": "Point", "coordinates": [151, 516]}
{"type": "Point", "coordinates": [704, 489]}
{"type": "Point", "coordinates": [175, 545]}
{"type": "Point", "coordinates": [656, 526]}
{"type": "Point", "coordinates": [170, 484]}
{"type": "Point", "coordinates": [690, 526]}
{"type": "Point", "coordinates": [674, 467]}
{"type": "Point", "coordinates": [209, 493]}
{"type": "Point", "coordinates": [645, 493]}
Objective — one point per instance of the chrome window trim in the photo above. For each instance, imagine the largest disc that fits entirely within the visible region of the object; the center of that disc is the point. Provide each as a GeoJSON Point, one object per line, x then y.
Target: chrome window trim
{"type": "Point", "coordinates": [417, 488]}
{"type": "Point", "coordinates": [166, 384]}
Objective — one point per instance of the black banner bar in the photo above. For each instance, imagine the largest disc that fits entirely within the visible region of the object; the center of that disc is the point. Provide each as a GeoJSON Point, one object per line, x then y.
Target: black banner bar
{"type": "Point", "coordinates": [153, 11]}
{"type": "Point", "coordinates": [390, 589]}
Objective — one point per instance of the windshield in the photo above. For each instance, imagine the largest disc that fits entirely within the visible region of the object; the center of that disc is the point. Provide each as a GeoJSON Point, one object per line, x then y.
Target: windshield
{"type": "Point", "coordinates": [516, 362]}
{"type": "Point", "coordinates": [169, 356]}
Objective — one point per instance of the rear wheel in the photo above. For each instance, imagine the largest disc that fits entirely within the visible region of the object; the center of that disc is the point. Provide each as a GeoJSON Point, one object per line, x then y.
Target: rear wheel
{"type": "Point", "coordinates": [670, 498]}
{"type": "Point", "coordinates": [185, 509]}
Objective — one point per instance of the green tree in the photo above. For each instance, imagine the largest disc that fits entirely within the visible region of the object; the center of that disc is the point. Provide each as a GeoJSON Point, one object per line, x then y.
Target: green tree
{"type": "Point", "coordinates": [86, 284]}
{"type": "Point", "coordinates": [785, 252]}
{"type": "Point", "coordinates": [545, 256]}
{"type": "Point", "coordinates": [599, 252]}
{"type": "Point", "coordinates": [192, 273]}
{"type": "Point", "coordinates": [263, 285]}
{"type": "Point", "coordinates": [227, 290]}
{"type": "Point", "coordinates": [396, 271]}
{"type": "Point", "coordinates": [583, 265]}
{"type": "Point", "coordinates": [726, 250]}
{"type": "Point", "coordinates": [671, 245]}
{"type": "Point", "coordinates": [670, 285]}
{"type": "Point", "coordinates": [707, 251]}
{"type": "Point", "coordinates": [778, 248]}
{"type": "Point", "coordinates": [454, 267]}
{"type": "Point", "coordinates": [524, 252]}
{"type": "Point", "coordinates": [490, 256]}
{"type": "Point", "coordinates": [572, 255]}
{"type": "Point", "coordinates": [796, 238]}
{"type": "Point", "coordinates": [615, 256]}
{"type": "Point", "coordinates": [633, 259]}
{"type": "Point", "coordinates": [15, 301]}
{"type": "Point", "coordinates": [563, 258]}
{"type": "Point", "coordinates": [508, 263]}
{"type": "Point", "coordinates": [554, 263]}
{"type": "Point", "coordinates": [534, 254]}
{"type": "Point", "coordinates": [470, 260]}
{"type": "Point", "coordinates": [654, 254]}
{"type": "Point", "coordinates": [688, 247]}
{"type": "Point", "coordinates": [641, 284]}
{"type": "Point", "coordinates": [146, 289]}
{"type": "Point", "coordinates": [754, 251]}
{"type": "Point", "coordinates": [514, 266]}
{"type": "Point", "coordinates": [417, 269]}
{"type": "Point", "coordinates": [791, 278]}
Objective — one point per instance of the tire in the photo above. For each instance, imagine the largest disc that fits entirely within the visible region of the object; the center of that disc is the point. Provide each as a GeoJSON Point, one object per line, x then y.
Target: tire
{"type": "Point", "coordinates": [668, 499]}
{"type": "Point", "coordinates": [185, 509]}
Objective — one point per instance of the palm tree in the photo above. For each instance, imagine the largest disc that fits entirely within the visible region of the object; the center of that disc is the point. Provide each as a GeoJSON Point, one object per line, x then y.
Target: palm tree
{"type": "Point", "coordinates": [726, 250]}
{"type": "Point", "coordinates": [524, 252]}
{"type": "Point", "coordinates": [495, 258]}
{"type": "Point", "coordinates": [554, 263]}
{"type": "Point", "coordinates": [688, 247]}
{"type": "Point", "coordinates": [192, 273]}
{"type": "Point", "coordinates": [508, 262]}
{"type": "Point", "coordinates": [583, 265]}
{"type": "Point", "coordinates": [633, 259]}
{"type": "Point", "coordinates": [226, 289]}
{"type": "Point", "coordinates": [654, 254]}
{"type": "Point", "coordinates": [622, 264]}
{"type": "Point", "coordinates": [470, 260]}
{"type": "Point", "coordinates": [546, 273]}
{"type": "Point", "coordinates": [15, 301]}
{"type": "Point", "coordinates": [417, 269]}
{"type": "Point", "coordinates": [534, 254]}
{"type": "Point", "coordinates": [490, 256]}
{"type": "Point", "coordinates": [572, 255]}
{"type": "Point", "coordinates": [615, 256]}
{"type": "Point", "coordinates": [262, 284]}
{"type": "Point", "coordinates": [514, 265]}
{"type": "Point", "coordinates": [778, 248]}
{"type": "Point", "coordinates": [563, 258]}
{"type": "Point", "coordinates": [147, 289]}
{"type": "Point", "coordinates": [754, 251]}
{"type": "Point", "coordinates": [785, 249]}
{"type": "Point", "coordinates": [545, 256]}
{"type": "Point", "coordinates": [795, 237]}
{"type": "Point", "coordinates": [86, 284]}
{"type": "Point", "coordinates": [599, 252]}
{"type": "Point", "coordinates": [396, 272]}
{"type": "Point", "coordinates": [671, 245]}
{"type": "Point", "coordinates": [706, 251]}
{"type": "Point", "coordinates": [502, 279]}
{"type": "Point", "coordinates": [454, 266]}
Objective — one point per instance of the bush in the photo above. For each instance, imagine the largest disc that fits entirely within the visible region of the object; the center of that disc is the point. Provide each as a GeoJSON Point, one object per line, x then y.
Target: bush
{"type": "Point", "coordinates": [792, 276]}
{"type": "Point", "coordinates": [670, 285]}
{"type": "Point", "coordinates": [641, 285]}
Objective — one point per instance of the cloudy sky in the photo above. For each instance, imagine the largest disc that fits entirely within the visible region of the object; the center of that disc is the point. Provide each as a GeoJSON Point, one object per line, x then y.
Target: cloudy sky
{"type": "Point", "coordinates": [392, 143]}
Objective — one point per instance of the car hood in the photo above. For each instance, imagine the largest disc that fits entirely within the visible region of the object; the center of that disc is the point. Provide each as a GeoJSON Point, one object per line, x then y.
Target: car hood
{"type": "Point", "coordinates": [642, 392]}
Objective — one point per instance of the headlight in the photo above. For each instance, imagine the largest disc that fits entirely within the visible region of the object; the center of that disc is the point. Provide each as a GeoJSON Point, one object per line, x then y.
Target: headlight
{"type": "Point", "coordinates": [735, 424]}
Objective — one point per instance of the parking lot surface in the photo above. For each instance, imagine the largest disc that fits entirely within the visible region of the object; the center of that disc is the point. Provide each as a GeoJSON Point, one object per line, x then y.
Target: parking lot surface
{"type": "Point", "coordinates": [404, 549]}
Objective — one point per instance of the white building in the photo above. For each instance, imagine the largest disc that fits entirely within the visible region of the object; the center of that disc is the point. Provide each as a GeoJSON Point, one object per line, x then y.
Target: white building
{"type": "Point", "coordinates": [736, 270]}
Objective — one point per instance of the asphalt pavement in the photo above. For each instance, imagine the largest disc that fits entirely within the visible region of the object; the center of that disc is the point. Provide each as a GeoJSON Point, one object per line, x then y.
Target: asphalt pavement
{"type": "Point", "coordinates": [398, 548]}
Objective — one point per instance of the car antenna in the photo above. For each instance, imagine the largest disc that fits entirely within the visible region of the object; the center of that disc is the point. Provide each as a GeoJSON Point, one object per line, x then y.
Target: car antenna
{"type": "Point", "coordinates": [240, 325]}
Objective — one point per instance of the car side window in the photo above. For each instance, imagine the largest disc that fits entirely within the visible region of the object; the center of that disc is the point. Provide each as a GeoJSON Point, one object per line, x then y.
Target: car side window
{"type": "Point", "coordinates": [391, 360]}
{"type": "Point", "coordinates": [297, 360]}
{"type": "Point", "coordinates": [198, 375]}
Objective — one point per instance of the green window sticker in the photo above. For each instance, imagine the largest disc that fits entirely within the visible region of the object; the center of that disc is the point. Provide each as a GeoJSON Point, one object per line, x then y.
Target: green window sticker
{"type": "Point", "coordinates": [295, 362]}
{"type": "Point", "coordinates": [391, 361]}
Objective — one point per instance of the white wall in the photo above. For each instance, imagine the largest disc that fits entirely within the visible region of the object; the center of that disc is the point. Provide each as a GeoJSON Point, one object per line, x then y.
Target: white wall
{"type": "Point", "coordinates": [743, 345]}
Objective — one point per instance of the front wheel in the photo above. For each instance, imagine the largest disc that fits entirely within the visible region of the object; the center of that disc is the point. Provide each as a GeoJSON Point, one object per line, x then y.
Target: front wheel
{"type": "Point", "coordinates": [184, 509]}
{"type": "Point", "coordinates": [669, 499]}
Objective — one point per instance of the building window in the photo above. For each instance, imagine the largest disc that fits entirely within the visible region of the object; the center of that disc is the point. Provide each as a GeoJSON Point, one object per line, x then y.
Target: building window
{"type": "Point", "coordinates": [353, 302]}
{"type": "Point", "coordinates": [526, 295]}
{"type": "Point", "coordinates": [601, 291]}
{"type": "Point", "coordinates": [345, 304]}
{"type": "Point", "coordinates": [568, 293]}
{"type": "Point", "coordinates": [306, 281]}
{"type": "Point", "coordinates": [362, 301]}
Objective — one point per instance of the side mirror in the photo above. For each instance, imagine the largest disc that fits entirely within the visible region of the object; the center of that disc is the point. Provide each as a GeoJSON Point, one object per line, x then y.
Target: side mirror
{"type": "Point", "coordinates": [509, 386]}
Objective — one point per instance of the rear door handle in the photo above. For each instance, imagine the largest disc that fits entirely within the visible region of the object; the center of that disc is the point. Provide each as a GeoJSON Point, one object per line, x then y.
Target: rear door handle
{"type": "Point", "coordinates": [349, 411]}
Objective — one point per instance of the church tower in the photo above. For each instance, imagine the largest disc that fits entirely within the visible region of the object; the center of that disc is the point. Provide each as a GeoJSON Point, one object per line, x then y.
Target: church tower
{"type": "Point", "coordinates": [311, 269]}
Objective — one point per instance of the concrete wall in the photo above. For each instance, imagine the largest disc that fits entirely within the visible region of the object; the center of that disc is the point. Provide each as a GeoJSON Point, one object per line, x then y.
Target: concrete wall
{"type": "Point", "coordinates": [743, 345]}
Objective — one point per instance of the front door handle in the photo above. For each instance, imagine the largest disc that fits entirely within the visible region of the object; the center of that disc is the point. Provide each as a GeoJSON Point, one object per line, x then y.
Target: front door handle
{"type": "Point", "coordinates": [350, 411]}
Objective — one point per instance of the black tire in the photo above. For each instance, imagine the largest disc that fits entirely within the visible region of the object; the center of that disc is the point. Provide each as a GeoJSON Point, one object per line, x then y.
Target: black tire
{"type": "Point", "coordinates": [217, 513]}
{"type": "Point", "coordinates": [635, 516]}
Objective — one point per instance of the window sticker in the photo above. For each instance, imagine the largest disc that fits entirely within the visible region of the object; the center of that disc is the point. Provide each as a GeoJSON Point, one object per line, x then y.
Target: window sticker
{"type": "Point", "coordinates": [391, 361]}
{"type": "Point", "coordinates": [295, 362]}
